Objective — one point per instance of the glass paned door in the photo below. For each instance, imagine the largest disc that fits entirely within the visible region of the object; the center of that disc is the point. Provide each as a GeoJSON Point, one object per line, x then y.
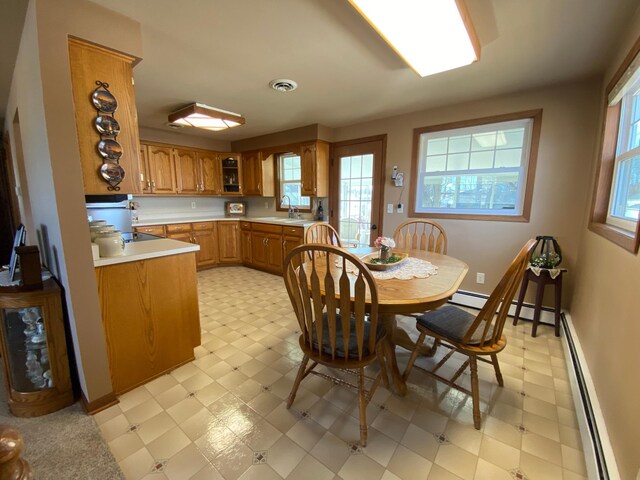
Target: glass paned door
{"type": "Point", "coordinates": [355, 212]}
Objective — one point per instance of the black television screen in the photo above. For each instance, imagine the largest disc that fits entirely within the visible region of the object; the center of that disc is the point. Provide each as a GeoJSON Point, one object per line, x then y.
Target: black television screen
{"type": "Point", "coordinates": [18, 241]}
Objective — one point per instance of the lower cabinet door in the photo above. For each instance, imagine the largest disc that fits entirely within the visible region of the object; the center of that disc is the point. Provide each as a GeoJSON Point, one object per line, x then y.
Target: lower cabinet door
{"type": "Point", "coordinates": [245, 242]}
{"type": "Point", "coordinates": [228, 242]}
{"type": "Point", "coordinates": [259, 249]}
{"type": "Point", "coordinates": [208, 253]}
{"type": "Point", "coordinates": [274, 252]}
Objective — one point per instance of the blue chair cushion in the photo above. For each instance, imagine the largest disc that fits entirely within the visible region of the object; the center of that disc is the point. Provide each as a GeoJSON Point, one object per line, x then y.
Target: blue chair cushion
{"type": "Point", "coordinates": [452, 323]}
{"type": "Point", "coordinates": [353, 341]}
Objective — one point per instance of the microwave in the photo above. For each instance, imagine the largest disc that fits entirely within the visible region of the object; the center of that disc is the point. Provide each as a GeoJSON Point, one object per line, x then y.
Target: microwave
{"type": "Point", "coordinates": [235, 209]}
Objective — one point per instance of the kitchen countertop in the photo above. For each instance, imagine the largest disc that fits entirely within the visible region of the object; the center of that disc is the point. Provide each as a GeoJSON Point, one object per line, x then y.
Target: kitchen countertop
{"type": "Point", "coordinates": [303, 222]}
{"type": "Point", "coordinates": [134, 251]}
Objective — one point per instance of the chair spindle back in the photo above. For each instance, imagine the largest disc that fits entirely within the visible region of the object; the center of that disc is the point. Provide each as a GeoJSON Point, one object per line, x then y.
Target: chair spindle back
{"type": "Point", "coordinates": [324, 280]}
{"type": "Point", "coordinates": [421, 235]}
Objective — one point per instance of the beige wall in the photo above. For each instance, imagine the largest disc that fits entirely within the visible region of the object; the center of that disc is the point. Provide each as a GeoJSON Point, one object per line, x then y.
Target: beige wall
{"type": "Point", "coordinates": [561, 179]}
{"type": "Point", "coordinates": [605, 311]}
{"type": "Point", "coordinates": [41, 94]}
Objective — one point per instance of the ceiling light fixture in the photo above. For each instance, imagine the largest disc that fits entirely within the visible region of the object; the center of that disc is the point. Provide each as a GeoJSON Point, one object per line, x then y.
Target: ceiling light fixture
{"type": "Point", "coordinates": [432, 36]}
{"type": "Point", "coordinates": [283, 85]}
{"type": "Point", "coordinates": [200, 115]}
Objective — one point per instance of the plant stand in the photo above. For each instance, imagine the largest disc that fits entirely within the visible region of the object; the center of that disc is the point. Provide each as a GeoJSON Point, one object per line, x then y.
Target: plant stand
{"type": "Point", "coordinates": [541, 281]}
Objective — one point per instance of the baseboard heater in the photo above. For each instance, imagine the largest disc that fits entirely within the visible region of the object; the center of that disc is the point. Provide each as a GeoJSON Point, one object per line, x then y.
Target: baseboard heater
{"type": "Point", "coordinates": [477, 301]}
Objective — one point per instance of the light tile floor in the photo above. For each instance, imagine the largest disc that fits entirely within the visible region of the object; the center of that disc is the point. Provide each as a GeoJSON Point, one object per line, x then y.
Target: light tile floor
{"type": "Point", "coordinates": [223, 415]}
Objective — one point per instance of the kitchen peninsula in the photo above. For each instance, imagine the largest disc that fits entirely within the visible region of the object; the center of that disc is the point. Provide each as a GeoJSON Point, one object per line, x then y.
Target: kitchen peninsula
{"type": "Point", "coordinates": [149, 303]}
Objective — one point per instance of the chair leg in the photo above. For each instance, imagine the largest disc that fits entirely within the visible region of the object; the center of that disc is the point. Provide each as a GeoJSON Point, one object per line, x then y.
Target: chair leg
{"type": "Point", "coordinates": [523, 290]}
{"type": "Point", "coordinates": [475, 392]}
{"type": "Point", "coordinates": [496, 367]}
{"type": "Point", "coordinates": [362, 401]}
{"type": "Point", "coordinates": [414, 355]}
{"type": "Point", "coordinates": [299, 378]}
{"type": "Point", "coordinates": [383, 365]}
{"type": "Point", "coordinates": [434, 347]}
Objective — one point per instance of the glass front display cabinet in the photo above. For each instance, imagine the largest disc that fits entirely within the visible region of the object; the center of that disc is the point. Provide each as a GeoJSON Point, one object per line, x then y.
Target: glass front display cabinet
{"type": "Point", "coordinates": [34, 351]}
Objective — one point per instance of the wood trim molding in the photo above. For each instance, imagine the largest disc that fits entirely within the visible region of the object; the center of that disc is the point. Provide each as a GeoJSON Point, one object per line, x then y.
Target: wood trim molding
{"type": "Point", "coordinates": [630, 241]}
{"type": "Point", "coordinates": [99, 404]}
{"type": "Point", "coordinates": [536, 115]}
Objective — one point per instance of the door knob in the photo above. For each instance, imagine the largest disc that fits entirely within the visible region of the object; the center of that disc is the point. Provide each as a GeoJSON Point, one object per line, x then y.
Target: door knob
{"type": "Point", "coordinates": [374, 227]}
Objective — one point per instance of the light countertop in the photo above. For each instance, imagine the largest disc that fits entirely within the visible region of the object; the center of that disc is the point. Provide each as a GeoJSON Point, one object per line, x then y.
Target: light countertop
{"type": "Point", "coordinates": [134, 251]}
{"type": "Point", "coordinates": [303, 222]}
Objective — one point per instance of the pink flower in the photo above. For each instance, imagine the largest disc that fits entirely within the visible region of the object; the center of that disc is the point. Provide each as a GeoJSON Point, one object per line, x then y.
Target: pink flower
{"type": "Point", "coordinates": [385, 242]}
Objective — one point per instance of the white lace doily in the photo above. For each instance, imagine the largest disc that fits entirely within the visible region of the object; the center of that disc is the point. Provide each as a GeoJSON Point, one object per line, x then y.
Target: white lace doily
{"type": "Point", "coordinates": [410, 268]}
{"type": "Point", "coordinates": [553, 272]}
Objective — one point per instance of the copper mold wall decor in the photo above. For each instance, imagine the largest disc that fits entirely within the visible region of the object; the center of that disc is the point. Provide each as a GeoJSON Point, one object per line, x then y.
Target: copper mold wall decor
{"type": "Point", "coordinates": [108, 128]}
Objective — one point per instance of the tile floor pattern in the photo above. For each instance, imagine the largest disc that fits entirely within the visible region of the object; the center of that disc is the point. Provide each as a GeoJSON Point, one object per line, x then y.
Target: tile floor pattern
{"type": "Point", "coordinates": [223, 415]}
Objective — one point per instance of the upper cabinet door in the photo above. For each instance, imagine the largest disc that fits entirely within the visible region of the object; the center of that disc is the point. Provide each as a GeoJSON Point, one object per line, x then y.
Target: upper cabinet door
{"type": "Point", "coordinates": [211, 174]}
{"type": "Point", "coordinates": [162, 169]}
{"type": "Point", "coordinates": [91, 63]}
{"type": "Point", "coordinates": [188, 172]}
{"type": "Point", "coordinates": [231, 174]}
{"type": "Point", "coordinates": [143, 165]}
{"type": "Point", "coordinates": [314, 163]}
{"type": "Point", "coordinates": [252, 173]}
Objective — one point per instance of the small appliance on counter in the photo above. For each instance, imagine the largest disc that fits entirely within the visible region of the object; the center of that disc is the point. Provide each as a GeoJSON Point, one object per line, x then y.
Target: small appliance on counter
{"type": "Point", "coordinates": [235, 209]}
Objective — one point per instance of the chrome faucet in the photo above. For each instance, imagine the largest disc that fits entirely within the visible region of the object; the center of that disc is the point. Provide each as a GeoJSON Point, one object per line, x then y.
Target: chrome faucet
{"type": "Point", "coordinates": [289, 204]}
{"type": "Point", "coordinates": [296, 212]}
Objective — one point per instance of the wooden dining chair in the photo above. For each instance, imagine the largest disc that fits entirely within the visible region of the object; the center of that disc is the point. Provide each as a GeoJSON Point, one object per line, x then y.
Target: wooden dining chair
{"type": "Point", "coordinates": [337, 328]}
{"type": "Point", "coordinates": [421, 235]}
{"type": "Point", "coordinates": [476, 337]}
{"type": "Point", "coordinates": [321, 232]}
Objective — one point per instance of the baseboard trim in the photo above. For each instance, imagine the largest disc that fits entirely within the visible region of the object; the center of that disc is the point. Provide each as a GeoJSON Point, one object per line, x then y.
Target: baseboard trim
{"type": "Point", "coordinates": [99, 404]}
{"type": "Point", "coordinates": [477, 300]}
{"type": "Point", "coordinates": [599, 456]}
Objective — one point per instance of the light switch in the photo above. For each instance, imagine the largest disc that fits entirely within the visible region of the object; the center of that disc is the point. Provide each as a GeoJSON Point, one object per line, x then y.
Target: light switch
{"type": "Point", "coordinates": [389, 207]}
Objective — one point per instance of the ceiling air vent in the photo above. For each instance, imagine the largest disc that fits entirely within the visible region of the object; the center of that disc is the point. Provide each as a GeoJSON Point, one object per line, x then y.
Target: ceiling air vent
{"type": "Point", "coordinates": [175, 126]}
{"type": "Point", "coordinates": [283, 85]}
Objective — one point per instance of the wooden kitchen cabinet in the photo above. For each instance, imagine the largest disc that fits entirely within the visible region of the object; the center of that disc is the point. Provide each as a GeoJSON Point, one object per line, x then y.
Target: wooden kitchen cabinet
{"type": "Point", "coordinates": [205, 235]}
{"type": "Point", "coordinates": [291, 238]}
{"type": "Point", "coordinates": [314, 163]}
{"type": "Point", "coordinates": [257, 174]}
{"type": "Point", "coordinates": [160, 169]}
{"type": "Point", "coordinates": [211, 171]}
{"type": "Point", "coordinates": [245, 242]}
{"type": "Point", "coordinates": [266, 247]}
{"type": "Point", "coordinates": [90, 63]}
{"type": "Point", "coordinates": [231, 174]}
{"type": "Point", "coordinates": [150, 317]}
{"type": "Point", "coordinates": [229, 242]}
{"type": "Point", "coordinates": [188, 171]}
{"type": "Point", "coordinates": [157, 230]}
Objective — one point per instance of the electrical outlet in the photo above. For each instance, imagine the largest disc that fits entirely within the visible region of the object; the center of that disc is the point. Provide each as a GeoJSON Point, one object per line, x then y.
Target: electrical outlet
{"type": "Point", "coordinates": [266, 204]}
{"type": "Point", "coordinates": [389, 207]}
{"type": "Point", "coordinates": [400, 208]}
{"type": "Point", "coordinates": [193, 204]}
{"type": "Point", "coordinates": [479, 277]}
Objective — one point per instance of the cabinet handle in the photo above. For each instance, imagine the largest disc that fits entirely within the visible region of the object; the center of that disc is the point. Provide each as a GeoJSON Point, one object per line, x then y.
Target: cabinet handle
{"type": "Point", "coordinates": [153, 184]}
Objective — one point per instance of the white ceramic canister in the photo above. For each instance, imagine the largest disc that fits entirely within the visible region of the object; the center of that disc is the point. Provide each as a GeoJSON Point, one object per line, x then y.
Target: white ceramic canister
{"type": "Point", "coordinates": [96, 229]}
{"type": "Point", "coordinates": [111, 244]}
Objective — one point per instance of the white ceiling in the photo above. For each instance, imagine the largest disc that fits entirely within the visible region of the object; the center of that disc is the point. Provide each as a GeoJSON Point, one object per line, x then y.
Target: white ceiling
{"type": "Point", "coordinates": [224, 53]}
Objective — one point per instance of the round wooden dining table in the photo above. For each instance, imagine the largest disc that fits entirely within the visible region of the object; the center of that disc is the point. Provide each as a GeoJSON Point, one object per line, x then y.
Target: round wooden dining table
{"type": "Point", "coordinates": [415, 295]}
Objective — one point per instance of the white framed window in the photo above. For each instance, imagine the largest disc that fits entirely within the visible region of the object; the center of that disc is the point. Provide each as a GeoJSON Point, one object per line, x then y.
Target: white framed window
{"type": "Point", "coordinates": [480, 168]}
{"type": "Point", "coordinates": [624, 198]}
{"type": "Point", "coordinates": [290, 180]}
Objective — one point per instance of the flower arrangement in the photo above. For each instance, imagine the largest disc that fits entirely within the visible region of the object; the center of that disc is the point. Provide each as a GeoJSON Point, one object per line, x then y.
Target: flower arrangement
{"type": "Point", "coordinates": [385, 244]}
